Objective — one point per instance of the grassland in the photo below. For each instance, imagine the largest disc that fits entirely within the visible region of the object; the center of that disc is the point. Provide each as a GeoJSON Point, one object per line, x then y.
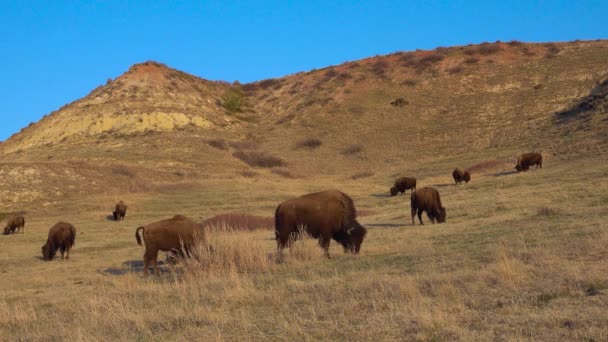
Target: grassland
{"type": "Point", "coordinates": [521, 257]}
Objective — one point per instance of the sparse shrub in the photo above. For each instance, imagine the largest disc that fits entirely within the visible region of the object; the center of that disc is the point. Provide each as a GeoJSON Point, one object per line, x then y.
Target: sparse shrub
{"type": "Point", "coordinates": [379, 68]}
{"type": "Point", "coordinates": [259, 159]}
{"type": "Point", "coordinates": [248, 174]}
{"type": "Point", "coordinates": [471, 60]}
{"type": "Point", "coordinates": [409, 83]}
{"type": "Point", "coordinates": [454, 70]}
{"type": "Point", "coordinates": [243, 145]}
{"type": "Point", "coordinates": [427, 61]}
{"type": "Point", "coordinates": [470, 52]}
{"type": "Point", "coordinates": [220, 144]}
{"type": "Point", "coordinates": [488, 49]}
{"type": "Point", "coordinates": [271, 82]}
{"type": "Point", "coordinates": [248, 87]}
{"type": "Point", "coordinates": [360, 175]}
{"type": "Point", "coordinates": [399, 102]}
{"type": "Point", "coordinates": [538, 86]}
{"type": "Point", "coordinates": [526, 51]}
{"type": "Point", "coordinates": [515, 43]}
{"type": "Point", "coordinates": [552, 50]}
{"type": "Point", "coordinates": [546, 212]}
{"type": "Point", "coordinates": [285, 119]}
{"type": "Point", "coordinates": [179, 173]}
{"type": "Point", "coordinates": [309, 144]}
{"type": "Point", "coordinates": [283, 173]}
{"type": "Point", "coordinates": [352, 149]}
{"type": "Point", "coordinates": [123, 170]}
{"type": "Point", "coordinates": [233, 100]}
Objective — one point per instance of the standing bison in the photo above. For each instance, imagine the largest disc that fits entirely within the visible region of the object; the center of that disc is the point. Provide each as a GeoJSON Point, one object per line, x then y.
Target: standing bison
{"type": "Point", "coordinates": [402, 184]}
{"type": "Point", "coordinates": [120, 210]}
{"type": "Point", "coordinates": [458, 175]}
{"type": "Point", "coordinates": [61, 237]}
{"type": "Point", "coordinates": [529, 159]}
{"type": "Point", "coordinates": [427, 199]}
{"type": "Point", "coordinates": [466, 176]}
{"type": "Point", "coordinates": [15, 223]}
{"type": "Point", "coordinates": [179, 235]}
{"type": "Point", "coordinates": [324, 215]}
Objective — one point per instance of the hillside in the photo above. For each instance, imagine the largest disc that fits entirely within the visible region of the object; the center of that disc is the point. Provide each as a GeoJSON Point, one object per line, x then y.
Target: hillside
{"type": "Point", "coordinates": [155, 125]}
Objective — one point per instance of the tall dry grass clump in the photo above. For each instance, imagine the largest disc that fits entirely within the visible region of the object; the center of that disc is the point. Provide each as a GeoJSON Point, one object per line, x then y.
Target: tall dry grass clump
{"type": "Point", "coordinates": [231, 251]}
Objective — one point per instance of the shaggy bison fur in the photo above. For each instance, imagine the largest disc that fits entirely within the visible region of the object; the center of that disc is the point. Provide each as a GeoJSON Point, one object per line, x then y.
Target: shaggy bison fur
{"type": "Point", "coordinates": [178, 235]}
{"type": "Point", "coordinates": [402, 184]}
{"type": "Point", "coordinates": [14, 222]}
{"type": "Point", "coordinates": [324, 216]}
{"type": "Point", "coordinates": [458, 175]}
{"type": "Point", "coordinates": [120, 210]}
{"type": "Point", "coordinates": [61, 237]}
{"type": "Point", "coordinates": [427, 199]}
{"type": "Point", "coordinates": [529, 159]}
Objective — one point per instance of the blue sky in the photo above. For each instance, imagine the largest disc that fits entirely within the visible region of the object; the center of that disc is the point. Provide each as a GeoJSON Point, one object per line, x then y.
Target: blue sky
{"type": "Point", "coordinates": [54, 52]}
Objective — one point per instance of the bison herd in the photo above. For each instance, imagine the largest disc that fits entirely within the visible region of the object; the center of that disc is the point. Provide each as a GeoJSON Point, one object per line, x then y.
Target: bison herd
{"type": "Point", "coordinates": [322, 215]}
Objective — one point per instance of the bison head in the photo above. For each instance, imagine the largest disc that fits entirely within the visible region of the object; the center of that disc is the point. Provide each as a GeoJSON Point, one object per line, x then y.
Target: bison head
{"type": "Point", "coordinates": [441, 216]}
{"type": "Point", "coordinates": [352, 239]}
{"type": "Point", "coordinates": [7, 230]}
{"type": "Point", "coordinates": [48, 252]}
{"type": "Point", "coordinates": [394, 191]}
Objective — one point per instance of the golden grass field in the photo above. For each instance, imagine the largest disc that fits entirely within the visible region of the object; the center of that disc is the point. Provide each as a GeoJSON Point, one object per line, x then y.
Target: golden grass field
{"type": "Point", "coordinates": [521, 257]}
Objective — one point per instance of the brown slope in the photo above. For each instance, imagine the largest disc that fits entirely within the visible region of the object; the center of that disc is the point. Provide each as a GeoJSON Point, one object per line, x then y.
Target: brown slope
{"type": "Point", "coordinates": [148, 97]}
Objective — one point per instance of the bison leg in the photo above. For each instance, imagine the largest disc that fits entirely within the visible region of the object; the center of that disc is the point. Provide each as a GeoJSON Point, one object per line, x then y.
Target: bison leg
{"type": "Point", "coordinates": [150, 256]}
{"type": "Point", "coordinates": [62, 251]}
{"type": "Point", "coordinates": [67, 253]}
{"type": "Point", "coordinates": [420, 216]}
{"type": "Point", "coordinates": [324, 243]}
{"type": "Point", "coordinates": [413, 215]}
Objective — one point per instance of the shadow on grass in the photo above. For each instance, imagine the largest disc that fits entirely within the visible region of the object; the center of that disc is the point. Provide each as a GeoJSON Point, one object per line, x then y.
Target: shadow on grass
{"type": "Point", "coordinates": [381, 195]}
{"type": "Point", "coordinates": [389, 225]}
{"type": "Point", "coordinates": [503, 173]}
{"type": "Point", "coordinates": [136, 266]}
{"type": "Point", "coordinates": [110, 217]}
{"type": "Point", "coordinates": [444, 185]}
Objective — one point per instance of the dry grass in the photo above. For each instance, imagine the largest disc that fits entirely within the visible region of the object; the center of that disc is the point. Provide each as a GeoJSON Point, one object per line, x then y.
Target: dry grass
{"type": "Point", "coordinates": [500, 268]}
{"type": "Point", "coordinates": [352, 150]}
{"type": "Point", "coordinates": [363, 174]}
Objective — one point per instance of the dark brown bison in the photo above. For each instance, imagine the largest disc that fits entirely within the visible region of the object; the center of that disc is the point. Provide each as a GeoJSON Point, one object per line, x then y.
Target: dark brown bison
{"type": "Point", "coordinates": [61, 237]}
{"type": "Point", "coordinates": [427, 199]}
{"type": "Point", "coordinates": [120, 210]}
{"type": "Point", "coordinates": [466, 176]}
{"type": "Point", "coordinates": [529, 159]}
{"type": "Point", "coordinates": [178, 235]}
{"type": "Point", "coordinates": [402, 184]}
{"type": "Point", "coordinates": [458, 175]}
{"type": "Point", "coordinates": [15, 222]}
{"type": "Point", "coordinates": [323, 215]}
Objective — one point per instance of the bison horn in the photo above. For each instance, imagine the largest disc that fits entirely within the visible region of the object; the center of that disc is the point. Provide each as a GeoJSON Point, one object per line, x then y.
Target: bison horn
{"type": "Point", "coordinates": [350, 230]}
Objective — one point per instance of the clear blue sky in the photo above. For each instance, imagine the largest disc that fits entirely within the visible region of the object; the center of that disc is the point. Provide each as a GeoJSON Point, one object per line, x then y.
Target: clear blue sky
{"type": "Point", "coordinates": [53, 52]}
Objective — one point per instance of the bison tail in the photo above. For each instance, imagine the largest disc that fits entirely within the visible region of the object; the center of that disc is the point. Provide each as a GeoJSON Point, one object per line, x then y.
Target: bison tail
{"type": "Point", "coordinates": [413, 200]}
{"type": "Point", "coordinates": [137, 235]}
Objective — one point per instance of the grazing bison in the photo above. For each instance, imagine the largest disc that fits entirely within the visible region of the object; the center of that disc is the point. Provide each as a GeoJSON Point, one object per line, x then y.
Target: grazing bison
{"type": "Point", "coordinates": [15, 222]}
{"type": "Point", "coordinates": [324, 215]}
{"type": "Point", "coordinates": [466, 176]}
{"type": "Point", "coordinates": [174, 235]}
{"type": "Point", "coordinates": [120, 211]}
{"type": "Point", "coordinates": [402, 184]}
{"type": "Point", "coordinates": [61, 237]}
{"type": "Point", "coordinates": [528, 159]}
{"type": "Point", "coordinates": [458, 175]}
{"type": "Point", "coordinates": [427, 199]}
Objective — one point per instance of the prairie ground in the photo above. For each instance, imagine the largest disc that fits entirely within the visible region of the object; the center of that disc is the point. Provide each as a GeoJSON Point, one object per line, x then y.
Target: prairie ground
{"type": "Point", "coordinates": [522, 256]}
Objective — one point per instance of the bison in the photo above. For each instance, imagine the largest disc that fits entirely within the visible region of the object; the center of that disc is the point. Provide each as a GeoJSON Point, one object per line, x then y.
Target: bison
{"type": "Point", "coordinates": [324, 215]}
{"type": "Point", "coordinates": [427, 199]}
{"type": "Point", "coordinates": [15, 222]}
{"type": "Point", "coordinates": [528, 159]}
{"type": "Point", "coordinates": [120, 210]}
{"type": "Point", "coordinates": [61, 237]}
{"type": "Point", "coordinates": [458, 175]}
{"type": "Point", "coordinates": [466, 176]}
{"type": "Point", "coordinates": [178, 235]}
{"type": "Point", "coordinates": [402, 184]}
